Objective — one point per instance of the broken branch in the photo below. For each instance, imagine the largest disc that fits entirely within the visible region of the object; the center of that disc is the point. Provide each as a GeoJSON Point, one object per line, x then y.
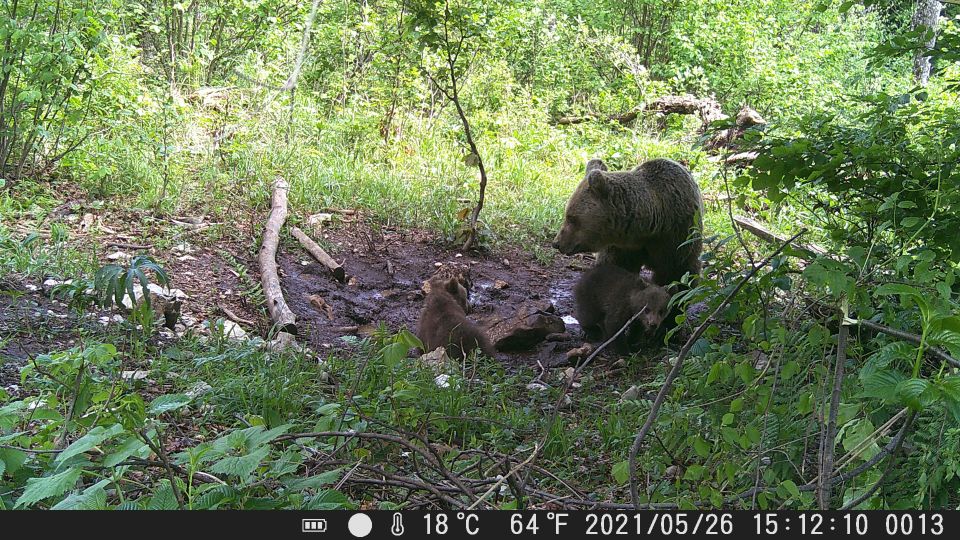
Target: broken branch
{"type": "Point", "coordinates": [764, 233]}
{"type": "Point", "coordinates": [319, 254]}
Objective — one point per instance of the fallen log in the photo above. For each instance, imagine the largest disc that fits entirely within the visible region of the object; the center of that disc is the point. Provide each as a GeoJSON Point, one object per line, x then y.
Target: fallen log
{"type": "Point", "coordinates": [622, 119]}
{"type": "Point", "coordinates": [319, 254]}
{"type": "Point", "coordinates": [283, 319]}
{"type": "Point", "coordinates": [766, 234]}
{"type": "Point", "coordinates": [708, 109]}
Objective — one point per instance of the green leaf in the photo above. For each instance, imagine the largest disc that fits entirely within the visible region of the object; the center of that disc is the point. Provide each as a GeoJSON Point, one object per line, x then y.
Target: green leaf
{"type": "Point", "coordinates": [132, 445]}
{"type": "Point", "coordinates": [621, 472]}
{"type": "Point", "coordinates": [163, 497]}
{"type": "Point", "coordinates": [12, 459]}
{"type": "Point", "coordinates": [394, 353]}
{"type": "Point", "coordinates": [791, 487]}
{"type": "Point", "coordinates": [313, 482]}
{"type": "Point", "coordinates": [909, 392]}
{"type": "Point", "coordinates": [856, 432]}
{"type": "Point", "coordinates": [241, 466]}
{"type": "Point", "coordinates": [167, 403]}
{"type": "Point", "coordinates": [701, 447]}
{"type": "Point", "coordinates": [92, 498]}
{"type": "Point", "coordinates": [45, 487]}
{"type": "Point", "coordinates": [93, 438]}
{"type": "Point", "coordinates": [882, 383]}
{"type": "Point", "coordinates": [330, 499]}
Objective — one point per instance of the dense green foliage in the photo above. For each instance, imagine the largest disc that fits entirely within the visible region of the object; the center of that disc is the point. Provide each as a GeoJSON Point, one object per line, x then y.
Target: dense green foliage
{"type": "Point", "coordinates": [165, 108]}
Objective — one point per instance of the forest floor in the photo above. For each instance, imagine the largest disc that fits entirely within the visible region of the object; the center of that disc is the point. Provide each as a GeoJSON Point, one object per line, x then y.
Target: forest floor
{"type": "Point", "coordinates": [386, 268]}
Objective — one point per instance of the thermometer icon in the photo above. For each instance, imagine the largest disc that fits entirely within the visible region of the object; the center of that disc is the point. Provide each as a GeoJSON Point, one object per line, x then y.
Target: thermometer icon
{"type": "Point", "coordinates": [397, 527]}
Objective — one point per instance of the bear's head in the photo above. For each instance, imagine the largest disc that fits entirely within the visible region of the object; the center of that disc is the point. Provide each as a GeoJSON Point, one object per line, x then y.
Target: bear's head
{"type": "Point", "coordinates": [657, 301]}
{"type": "Point", "coordinates": [586, 224]}
{"type": "Point", "coordinates": [452, 287]}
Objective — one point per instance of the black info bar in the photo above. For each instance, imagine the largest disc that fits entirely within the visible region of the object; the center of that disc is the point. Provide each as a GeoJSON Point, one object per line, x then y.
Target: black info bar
{"type": "Point", "coordinates": [457, 524]}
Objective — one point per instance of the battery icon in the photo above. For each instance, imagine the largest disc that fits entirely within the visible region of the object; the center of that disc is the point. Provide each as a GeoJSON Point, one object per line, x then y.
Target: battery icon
{"type": "Point", "coordinates": [313, 525]}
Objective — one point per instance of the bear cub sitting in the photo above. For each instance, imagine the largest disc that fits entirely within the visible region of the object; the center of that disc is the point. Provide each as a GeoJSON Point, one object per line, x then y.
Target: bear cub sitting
{"type": "Point", "coordinates": [443, 321]}
{"type": "Point", "coordinates": [607, 296]}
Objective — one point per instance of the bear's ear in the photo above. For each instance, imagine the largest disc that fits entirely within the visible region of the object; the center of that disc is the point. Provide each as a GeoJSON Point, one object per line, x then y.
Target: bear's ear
{"type": "Point", "coordinates": [596, 165]}
{"type": "Point", "coordinates": [598, 182]}
{"type": "Point", "coordinates": [452, 286]}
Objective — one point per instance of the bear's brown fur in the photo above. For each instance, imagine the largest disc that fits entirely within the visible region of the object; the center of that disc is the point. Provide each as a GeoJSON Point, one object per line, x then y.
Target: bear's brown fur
{"type": "Point", "coordinates": [443, 321]}
{"type": "Point", "coordinates": [650, 216]}
{"type": "Point", "coordinates": [607, 296]}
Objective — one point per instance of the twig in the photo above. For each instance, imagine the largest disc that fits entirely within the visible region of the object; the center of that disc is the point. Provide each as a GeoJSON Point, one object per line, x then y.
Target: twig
{"type": "Point", "coordinates": [536, 450]}
{"type": "Point", "coordinates": [162, 454]}
{"type": "Point", "coordinates": [893, 456]}
{"type": "Point", "coordinates": [684, 352]}
{"type": "Point", "coordinates": [124, 245]}
{"type": "Point", "coordinates": [234, 317]}
{"type": "Point", "coordinates": [830, 437]}
{"type": "Point", "coordinates": [906, 336]}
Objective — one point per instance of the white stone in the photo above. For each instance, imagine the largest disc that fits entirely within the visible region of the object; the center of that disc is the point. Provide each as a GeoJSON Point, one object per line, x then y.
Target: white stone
{"type": "Point", "coordinates": [199, 389]}
{"type": "Point", "coordinates": [233, 331]}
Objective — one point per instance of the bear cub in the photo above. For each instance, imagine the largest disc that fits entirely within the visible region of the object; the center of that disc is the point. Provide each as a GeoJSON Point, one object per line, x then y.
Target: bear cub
{"type": "Point", "coordinates": [443, 321]}
{"type": "Point", "coordinates": [607, 296]}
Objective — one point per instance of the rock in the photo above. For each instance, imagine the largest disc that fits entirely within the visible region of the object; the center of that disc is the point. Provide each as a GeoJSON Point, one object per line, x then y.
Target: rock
{"type": "Point", "coordinates": [531, 324]}
{"type": "Point", "coordinates": [537, 386]}
{"type": "Point", "coordinates": [500, 284]}
{"type": "Point", "coordinates": [434, 359]}
{"type": "Point", "coordinates": [442, 380]}
{"type": "Point", "coordinates": [580, 352]}
{"type": "Point", "coordinates": [163, 300]}
{"type": "Point", "coordinates": [119, 256]}
{"type": "Point", "coordinates": [49, 284]}
{"type": "Point", "coordinates": [137, 375]}
{"type": "Point", "coordinates": [233, 331]}
{"type": "Point", "coordinates": [282, 342]}
{"type": "Point", "coordinates": [562, 336]}
{"type": "Point", "coordinates": [198, 389]}
{"type": "Point", "coordinates": [319, 219]}
{"type": "Point", "coordinates": [631, 394]}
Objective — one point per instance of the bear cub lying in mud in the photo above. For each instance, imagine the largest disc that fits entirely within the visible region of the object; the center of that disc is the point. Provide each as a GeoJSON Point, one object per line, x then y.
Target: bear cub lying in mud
{"type": "Point", "coordinates": [607, 296]}
{"type": "Point", "coordinates": [443, 321]}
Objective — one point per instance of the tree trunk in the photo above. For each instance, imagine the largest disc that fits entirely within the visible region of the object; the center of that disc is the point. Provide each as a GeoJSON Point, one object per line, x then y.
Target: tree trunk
{"type": "Point", "coordinates": [926, 15]}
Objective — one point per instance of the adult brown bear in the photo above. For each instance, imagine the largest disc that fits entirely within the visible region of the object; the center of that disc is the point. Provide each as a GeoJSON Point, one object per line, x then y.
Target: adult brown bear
{"type": "Point", "coordinates": [650, 216]}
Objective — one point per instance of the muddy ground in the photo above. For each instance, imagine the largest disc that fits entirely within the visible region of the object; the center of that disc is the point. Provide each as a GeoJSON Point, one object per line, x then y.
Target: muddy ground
{"type": "Point", "coordinates": [385, 267]}
{"type": "Point", "coordinates": [386, 270]}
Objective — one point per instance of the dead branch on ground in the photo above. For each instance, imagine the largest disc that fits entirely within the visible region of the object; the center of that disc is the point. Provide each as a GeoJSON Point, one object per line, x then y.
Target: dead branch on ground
{"type": "Point", "coordinates": [319, 254]}
{"type": "Point", "coordinates": [283, 318]}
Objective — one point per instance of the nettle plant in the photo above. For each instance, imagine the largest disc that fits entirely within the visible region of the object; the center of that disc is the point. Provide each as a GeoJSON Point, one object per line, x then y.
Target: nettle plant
{"type": "Point", "coordinates": [84, 437]}
{"type": "Point", "coordinates": [882, 184]}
